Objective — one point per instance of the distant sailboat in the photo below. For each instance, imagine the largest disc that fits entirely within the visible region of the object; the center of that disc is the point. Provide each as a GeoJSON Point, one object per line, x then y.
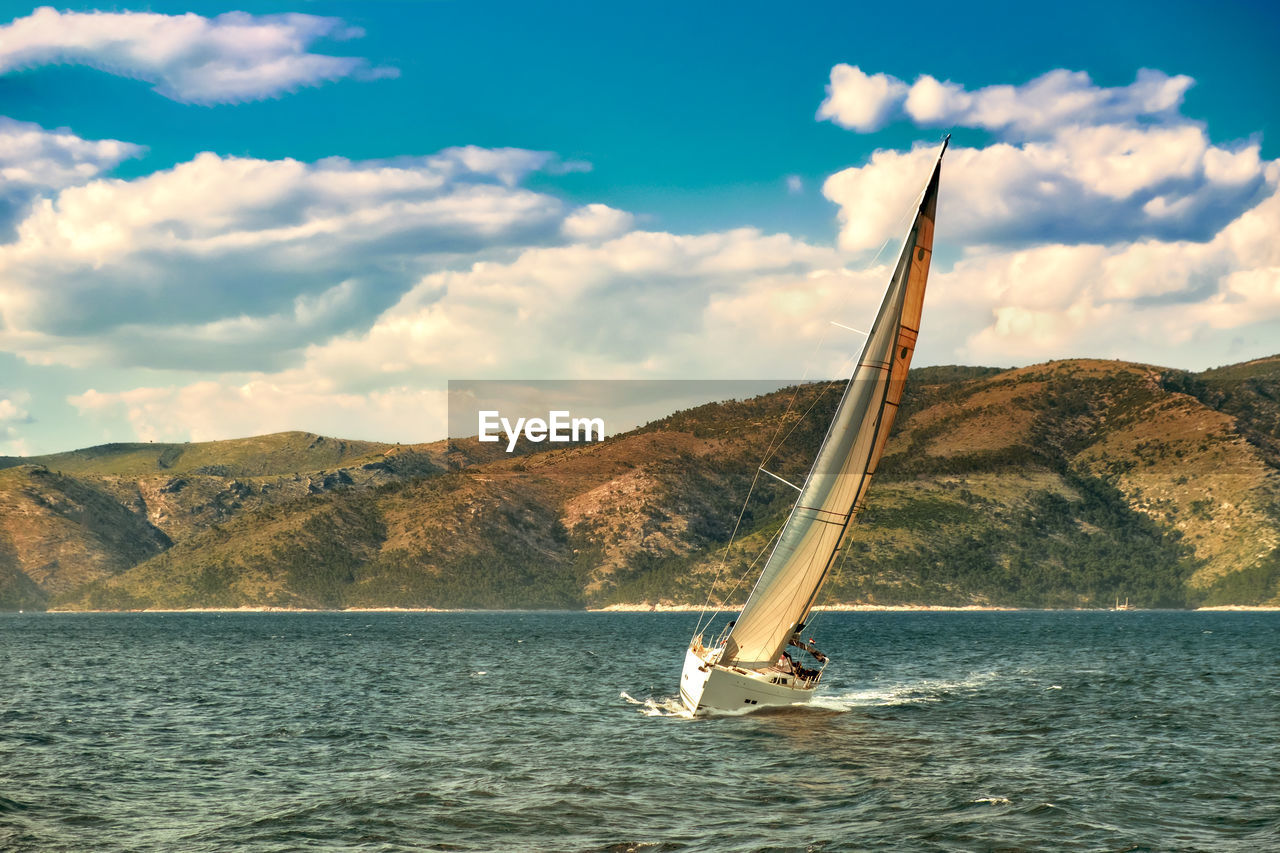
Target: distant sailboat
{"type": "Point", "coordinates": [749, 664]}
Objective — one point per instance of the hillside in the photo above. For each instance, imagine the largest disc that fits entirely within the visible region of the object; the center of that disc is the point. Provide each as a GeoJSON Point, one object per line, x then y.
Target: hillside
{"type": "Point", "coordinates": [1065, 484]}
{"type": "Point", "coordinates": [70, 518]}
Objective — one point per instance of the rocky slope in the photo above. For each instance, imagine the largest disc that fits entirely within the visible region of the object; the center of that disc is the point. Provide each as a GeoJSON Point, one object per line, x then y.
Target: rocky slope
{"type": "Point", "coordinates": [70, 518]}
{"type": "Point", "coordinates": [1065, 484]}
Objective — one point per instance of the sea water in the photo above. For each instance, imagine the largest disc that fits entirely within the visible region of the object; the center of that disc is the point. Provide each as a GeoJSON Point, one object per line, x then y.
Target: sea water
{"type": "Point", "coordinates": [561, 732]}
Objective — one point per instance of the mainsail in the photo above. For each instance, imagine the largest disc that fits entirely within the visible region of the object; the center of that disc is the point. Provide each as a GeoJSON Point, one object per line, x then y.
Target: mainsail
{"type": "Point", "coordinates": [836, 488]}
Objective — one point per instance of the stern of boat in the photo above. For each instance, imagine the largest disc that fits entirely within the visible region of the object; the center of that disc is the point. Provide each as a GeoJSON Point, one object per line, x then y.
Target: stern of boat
{"type": "Point", "coordinates": [693, 680]}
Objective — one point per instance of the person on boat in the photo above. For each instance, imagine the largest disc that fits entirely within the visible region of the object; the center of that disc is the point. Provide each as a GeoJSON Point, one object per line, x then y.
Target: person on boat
{"type": "Point", "coordinates": [788, 664]}
{"type": "Point", "coordinates": [808, 647]}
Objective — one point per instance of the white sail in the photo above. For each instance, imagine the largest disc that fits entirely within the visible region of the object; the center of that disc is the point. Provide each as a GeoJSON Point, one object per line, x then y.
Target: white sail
{"type": "Point", "coordinates": [836, 488]}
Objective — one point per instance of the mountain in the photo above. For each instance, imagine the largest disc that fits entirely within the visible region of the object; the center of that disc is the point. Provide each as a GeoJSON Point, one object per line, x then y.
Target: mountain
{"type": "Point", "coordinates": [1065, 484]}
{"type": "Point", "coordinates": [70, 518]}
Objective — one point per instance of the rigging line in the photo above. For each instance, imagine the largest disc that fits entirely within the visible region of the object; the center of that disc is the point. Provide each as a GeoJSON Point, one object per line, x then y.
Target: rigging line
{"type": "Point", "coordinates": [822, 338]}
{"type": "Point", "coordinates": [831, 579]}
{"type": "Point", "coordinates": [764, 549]}
{"type": "Point", "coordinates": [749, 568]}
{"type": "Point", "coordinates": [902, 253]}
{"type": "Point", "coordinates": [829, 385]}
{"type": "Point", "coordinates": [754, 561]}
{"type": "Point", "coordinates": [781, 480]}
{"type": "Point", "coordinates": [770, 449]}
{"type": "Point", "coordinates": [724, 556]}
{"type": "Point", "coordinates": [746, 571]}
{"type": "Point", "coordinates": [834, 578]}
{"type": "Point", "coordinates": [835, 557]}
{"type": "Point", "coordinates": [795, 596]}
{"type": "Point", "coordinates": [773, 451]}
{"type": "Point", "coordinates": [769, 453]}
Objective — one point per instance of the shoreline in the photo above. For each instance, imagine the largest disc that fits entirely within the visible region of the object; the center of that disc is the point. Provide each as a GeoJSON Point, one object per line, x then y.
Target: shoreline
{"type": "Point", "coordinates": [822, 608]}
{"type": "Point", "coordinates": [677, 608]}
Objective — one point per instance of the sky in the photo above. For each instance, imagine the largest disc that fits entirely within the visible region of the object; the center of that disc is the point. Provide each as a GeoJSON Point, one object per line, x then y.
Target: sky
{"type": "Point", "coordinates": [228, 220]}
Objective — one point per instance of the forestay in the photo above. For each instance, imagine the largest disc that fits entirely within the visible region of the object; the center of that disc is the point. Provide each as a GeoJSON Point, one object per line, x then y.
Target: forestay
{"type": "Point", "coordinates": [836, 488]}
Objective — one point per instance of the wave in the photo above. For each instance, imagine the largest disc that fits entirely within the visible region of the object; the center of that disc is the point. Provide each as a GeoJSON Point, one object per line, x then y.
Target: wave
{"type": "Point", "coordinates": [902, 693]}
{"type": "Point", "coordinates": [669, 706]}
{"type": "Point", "coordinates": [915, 692]}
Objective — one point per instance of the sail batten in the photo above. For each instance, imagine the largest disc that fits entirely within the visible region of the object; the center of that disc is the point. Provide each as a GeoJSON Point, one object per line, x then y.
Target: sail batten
{"type": "Point", "coordinates": [836, 488]}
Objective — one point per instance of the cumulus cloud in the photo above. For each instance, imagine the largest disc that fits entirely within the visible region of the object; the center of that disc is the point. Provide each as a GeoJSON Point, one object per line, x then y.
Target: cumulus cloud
{"type": "Point", "coordinates": [597, 221]}
{"type": "Point", "coordinates": [35, 161]}
{"type": "Point", "coordinates": [212, 410]}
{"type": "Point", "coordinates": [635, 305]}
{"type": "Point", "coordinates": [1061, 98]}
{"type": "Point", "coordinates": [736, 304]}
{"type": "Point", "coordinates": [1095, 184]}
{"type": "Point", "coordinates": [1054, 100]}
{"type": "Point", "coordinates": [860, 101]}
{"type": "Point", "coordinates": [645, 304]}
{"type": "Point", "coordinates": [340, 296]}
{"type": "Point", "coordinates": [1100, 222]}
{"type": "Point", "coordinates": [189, 58]}
{"type": "Point", "coordinates": [1073, 162]}
{"type": "Point", "coordinates": [34, 158]}
{"type": "Point", "coordinates": [1148, 300]}
{"type": "Point", "coordinates": [13, 414]}
{"type": "Point", "coordinates": [231, 263]}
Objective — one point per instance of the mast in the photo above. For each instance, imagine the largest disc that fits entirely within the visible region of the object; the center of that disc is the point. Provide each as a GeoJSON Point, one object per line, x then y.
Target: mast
{"type": "Point", "coordinates": [836, 488]}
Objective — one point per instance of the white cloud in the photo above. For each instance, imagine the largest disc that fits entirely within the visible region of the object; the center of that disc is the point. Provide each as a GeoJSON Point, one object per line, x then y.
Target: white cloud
{"type": "Point", "coordinates": [634, 305]}
{"type": "Point", "coordinates": [32, 157]}
{"type": "Point", "coordinates": [339, 297]}
{"type": "Point", "coordinates": [1087, 184]}
{"type": "Point", "coordinates": [597, 222]}
{"type": "Point", "coordinates": [734, 304]}
{"type": "Point", "coordinates": [232, 57]}
{"type": "Point", "coordinates": [1052, 101]}
{"type": "Point", "coordinates": [34, 161]}
{"type": "Point", "coordinates": [13, 414]}
{"type": "Point", "coordinates": [234, 263]}
{"type": "Point", "coordinates": [1146, 300]}
{"type": "Point", "coordinates": [737, 304]}
{"type": "Point", "coordinates": [1075, 163]}
{"type": "Point", "coordinates": [795, 184]}
{"type": "Point", "coordinates": [1101, 222]}
{"type": "Point", "coordinates": [212, 410]}
{"type": "Point", "coordinates": [860, 101]}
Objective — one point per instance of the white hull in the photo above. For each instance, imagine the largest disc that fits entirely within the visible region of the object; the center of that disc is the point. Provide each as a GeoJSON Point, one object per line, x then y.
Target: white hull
{"type": "Point", "coordinates": [711, 687]}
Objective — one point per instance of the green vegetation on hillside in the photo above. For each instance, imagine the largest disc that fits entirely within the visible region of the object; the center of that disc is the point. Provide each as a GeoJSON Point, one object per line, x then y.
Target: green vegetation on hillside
{"type": "Point", "coordinates": [1249, 392]}
{"type": "Point", "coordinates": [1067, 484]}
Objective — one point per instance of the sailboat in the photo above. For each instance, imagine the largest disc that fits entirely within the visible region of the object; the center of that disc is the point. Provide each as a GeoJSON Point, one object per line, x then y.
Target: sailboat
{"type": "Point", "coordinates": [750, 664]}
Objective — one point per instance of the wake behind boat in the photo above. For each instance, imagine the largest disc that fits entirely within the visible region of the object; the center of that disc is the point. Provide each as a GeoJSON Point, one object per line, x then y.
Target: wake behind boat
{"type": "Point", "coordinates": [750, 664]}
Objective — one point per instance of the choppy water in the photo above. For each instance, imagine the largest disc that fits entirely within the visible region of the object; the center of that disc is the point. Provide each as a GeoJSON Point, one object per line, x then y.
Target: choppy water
{"type": "Point", "coordinates": [554, 731]}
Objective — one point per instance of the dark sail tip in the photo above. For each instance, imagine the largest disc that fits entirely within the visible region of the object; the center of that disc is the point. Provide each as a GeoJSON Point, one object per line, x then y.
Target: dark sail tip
{"type": "Point", "coordinates": [929, 205]}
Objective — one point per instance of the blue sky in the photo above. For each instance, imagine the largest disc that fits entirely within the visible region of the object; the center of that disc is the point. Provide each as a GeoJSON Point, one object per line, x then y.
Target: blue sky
{"type": "Point", "coordinates": [602, 190]}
